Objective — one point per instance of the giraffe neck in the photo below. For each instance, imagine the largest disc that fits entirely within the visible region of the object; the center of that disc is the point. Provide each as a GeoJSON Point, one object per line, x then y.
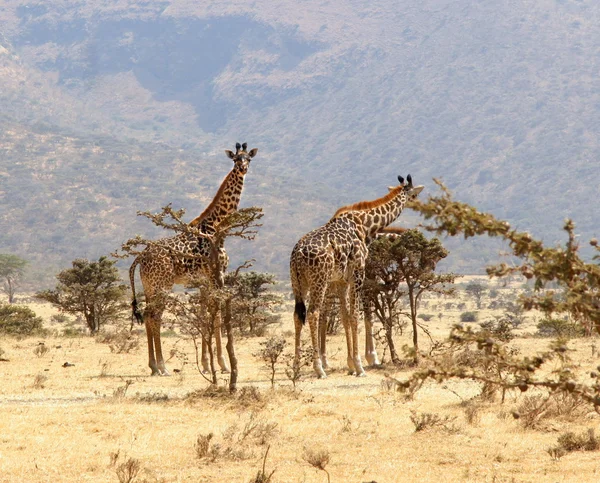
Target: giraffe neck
{"type": "Point", "coordinates": [225, 202]}
{"type": "Point", "coordinates": [372, 220]}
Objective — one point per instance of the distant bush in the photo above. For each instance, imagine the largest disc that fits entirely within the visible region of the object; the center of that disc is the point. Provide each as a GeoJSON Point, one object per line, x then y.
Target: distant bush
{"type": "Point", "coordinates": [559, 328]}
{"type": "Point", "coordinates": [425, 317]}
{"type": "Point", "coordinates": [19, 320]}
{"type": "Point", "coordinates": [468, 317]}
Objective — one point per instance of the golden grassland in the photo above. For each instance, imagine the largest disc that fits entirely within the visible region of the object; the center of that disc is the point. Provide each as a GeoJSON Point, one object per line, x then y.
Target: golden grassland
{"type": "Point", "coordinates": [84, 422]}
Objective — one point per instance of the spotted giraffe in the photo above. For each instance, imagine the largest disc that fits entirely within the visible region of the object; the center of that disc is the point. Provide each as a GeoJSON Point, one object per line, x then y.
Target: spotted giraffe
{"type": "Point", "coordinates": [392, 232]}
{"type": "Point", "coordinates": [182, 258]}
{"type": "Point", "coordinates": [334, 255]}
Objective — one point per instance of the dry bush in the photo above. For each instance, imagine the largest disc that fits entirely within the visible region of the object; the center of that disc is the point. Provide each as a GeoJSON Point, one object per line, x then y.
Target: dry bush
{"type": "Point", "coordinates": [318, 458]}
{"type": "Point", "coordinates": [151, 397]}
{"type": "Point", "coordinates": [568, 442]}
{"type": "Point", "coordinates": [472, 411]}
{"type": "Point", "coordinates": [38, 381]}
{"type": "Point", "coordinates": [41, 350]}
{"type": "Point", "coordinates": [128, 471]}
{"type": "Point", "coordinates": [256, 430]}
{"type": "Point", "coordinates": [120, 342]}
{"type": "Point", "coordinates": [536, 409]}
{"type": "Point", "coordinates": [121, 391]}
{"type": "Point", "coordinates": [261, 476]}
{"type": "Point", "coordinates": [424, 421]}
{"type": "Point", "coordinates": [202, 445]}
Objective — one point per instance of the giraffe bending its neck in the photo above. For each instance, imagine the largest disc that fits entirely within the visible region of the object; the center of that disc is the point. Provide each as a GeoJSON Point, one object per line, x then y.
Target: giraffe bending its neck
{"type": "Point", "coordinates": [184, 257]}
{"type": "Point", "coordinates": [334, 255]}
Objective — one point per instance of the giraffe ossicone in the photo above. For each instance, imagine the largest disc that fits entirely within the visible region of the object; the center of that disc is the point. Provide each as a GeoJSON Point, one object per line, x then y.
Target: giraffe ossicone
{"type": "Point", "coordinates": [333, 257]}
{"type": "Point", "coordinates": [182, 258]}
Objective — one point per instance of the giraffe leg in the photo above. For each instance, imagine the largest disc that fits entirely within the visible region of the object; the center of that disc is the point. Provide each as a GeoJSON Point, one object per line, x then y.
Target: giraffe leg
{"type": "Point", "coordinates": [370, 350]}
{"type": "Point", "coordinates": [160, 362]}
{"type": "Point", "coordinates": [322, 340]}
{"type": "Point", "coordinates": [345, 316]}
{"type": "Point", "coordinates": [297, 341]}
{"type": "Point", "coordinates": [149, 322]}
{"type": "Point", "coordinates": [354, 314]}
{"type": "Point", "coordinates": [317, 295]}
{"type": "Point", "coordinates": [204, 357]}
{"type": "Point", "coordinates": [218, 341]}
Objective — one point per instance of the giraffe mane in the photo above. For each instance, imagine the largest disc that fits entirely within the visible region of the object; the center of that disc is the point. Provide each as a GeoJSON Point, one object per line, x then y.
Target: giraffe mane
{"type": "Point", "coordinates": [208, 210]}
{"type": "Point", "coordinates": [369, 205]}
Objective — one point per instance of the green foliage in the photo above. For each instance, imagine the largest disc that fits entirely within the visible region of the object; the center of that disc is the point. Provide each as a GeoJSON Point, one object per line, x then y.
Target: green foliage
{"type": "Point", "coordinates": [578, 281]}
{"type": "Point", "coordinates": [12, 268]}
{"type": "Point", "coordinates": [253, 304]}
{"type": "Point", "coordinates": [403, 265]}
{"type": "Point", "coordinates": [19, 320]}
{"type": "Point", "coordinates": [91, 289]}
{"type": "Point", "coordinates": [476, 290]}
{"type": "Point", "coordinates": [469, 317]}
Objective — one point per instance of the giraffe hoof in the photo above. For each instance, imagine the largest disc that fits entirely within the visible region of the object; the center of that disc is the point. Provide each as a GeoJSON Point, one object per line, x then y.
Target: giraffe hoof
{"type": "Point", "coordinates": [322, 376]}
{"type": "Point", "coordinates": [224, 371]}
{"type": "Point", "coordinates": [361, 374]}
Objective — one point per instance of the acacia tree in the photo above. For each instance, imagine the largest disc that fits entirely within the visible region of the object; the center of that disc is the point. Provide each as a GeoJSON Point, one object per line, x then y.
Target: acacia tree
{"type": "Point", "coordinates": [12, 268]}
{"type": "Point", "coordinates": [196, 314]}
{"type": "Point", "coordinates": [91, 289]}
{"type": "Point", "coordinates": [252, 301]}
{"type": "Point", "coordinates": [476, 290]}
{"type": "Point", "coordinates": [407, 260]}
{"type": "Point", "coordinates": [564, 283]}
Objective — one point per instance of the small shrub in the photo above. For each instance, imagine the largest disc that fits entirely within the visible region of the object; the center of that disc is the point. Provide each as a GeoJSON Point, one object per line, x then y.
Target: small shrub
{"type": "Point", "coordinates": [570, 441]}
{"type": "Point", "coordinates": [271, 351]}
{"type": "Point", "coordinates": [559, 328]}
{"type": "Point", "coordinates": [317, 458]}
{"type": "Point", "coordinates": [500, 329]}
{"type": "Point", "coordinates": [261, 476]}
{"type": "Point", "coordinates": [119, 342]}
{"type": "Point", "coordinates": [425, 421]}
{"type": "Point", "coordinates": [41, 349]}
{"type": "Point", "coordinates": [120, 392]}
{"type": "Point", "coordinates": [59, 318]}
{"type": "Point", "coordinates": [469, 317]}
{"type": "Point", "coordinates": [202, 445]}
{"type": "Point", "coordinates": [128, 471]}
{"type": "Point", "coordinates": [19, 320]}
{"type": "Point", "coordinates": [39, 380]}
{"type": "Point", "coordinates": [425, 317]}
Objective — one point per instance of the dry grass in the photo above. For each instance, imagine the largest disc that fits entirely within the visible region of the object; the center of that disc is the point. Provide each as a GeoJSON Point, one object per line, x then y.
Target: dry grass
{"type": "Point", "coordinates": [78, 426]}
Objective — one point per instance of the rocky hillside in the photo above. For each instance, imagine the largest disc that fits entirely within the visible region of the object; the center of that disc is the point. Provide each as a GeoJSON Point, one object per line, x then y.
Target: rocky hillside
{"type": "Point", "coordinates": [108, 108]}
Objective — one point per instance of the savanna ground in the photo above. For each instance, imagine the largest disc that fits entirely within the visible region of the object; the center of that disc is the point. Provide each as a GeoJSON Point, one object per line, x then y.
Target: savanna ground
{"type": "Point", "coordinates": [87, 421]}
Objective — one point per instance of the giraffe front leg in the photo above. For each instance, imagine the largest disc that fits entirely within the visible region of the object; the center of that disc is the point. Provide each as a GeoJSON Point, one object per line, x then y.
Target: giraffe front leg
{"type": "Point", "coordinates": [370, 351]}
{"type": "Point", "coordinates": [204, 357]}
{"type": "Point", "coordinates": [345, 316]}
{"type": "Point", "coordinates": [218, 343]}
{"type": "Point", "coordinates": [354, 313]}
{"type": "Point", "coordinates": [313, 322]}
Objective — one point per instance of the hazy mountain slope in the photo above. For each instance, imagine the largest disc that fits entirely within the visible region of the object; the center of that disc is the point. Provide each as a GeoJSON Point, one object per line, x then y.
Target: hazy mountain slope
{"type": "Point", "coordinates": [500, 99]}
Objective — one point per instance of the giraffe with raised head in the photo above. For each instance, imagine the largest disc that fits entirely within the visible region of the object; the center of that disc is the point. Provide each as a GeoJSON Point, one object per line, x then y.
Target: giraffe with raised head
{"type": "Point", "coordinates": [371, 356]}
{"type": "Point", "coordinates": [334, 256]}
{"type": "Point", "coordinates": [182, 258]}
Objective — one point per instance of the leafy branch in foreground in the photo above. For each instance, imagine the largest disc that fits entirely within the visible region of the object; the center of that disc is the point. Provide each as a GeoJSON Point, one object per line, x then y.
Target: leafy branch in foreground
{"type": "Point", "coordinates": [476, 356]}
{"type": "Point", "coordinates": [578, 281]}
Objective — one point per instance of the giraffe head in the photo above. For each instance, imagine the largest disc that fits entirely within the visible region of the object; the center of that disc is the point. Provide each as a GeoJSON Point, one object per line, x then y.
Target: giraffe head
{"type": "Point", "coordinates": [241, 158]}
{"type": "Point", "coordinates": [411, 191]}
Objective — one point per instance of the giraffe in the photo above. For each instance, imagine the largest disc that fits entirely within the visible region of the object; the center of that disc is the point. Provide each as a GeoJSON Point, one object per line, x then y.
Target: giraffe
{"type": "Point", "coordinates": [371, 356]}
{"type": "Point", "coordinates": [334, 254]}
{"type": "Point", "coordinates": [181, 258]}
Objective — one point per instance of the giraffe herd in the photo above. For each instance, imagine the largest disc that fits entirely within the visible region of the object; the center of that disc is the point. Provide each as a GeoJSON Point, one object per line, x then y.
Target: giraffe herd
{"type": "Point", "coordinates": [330, 258]}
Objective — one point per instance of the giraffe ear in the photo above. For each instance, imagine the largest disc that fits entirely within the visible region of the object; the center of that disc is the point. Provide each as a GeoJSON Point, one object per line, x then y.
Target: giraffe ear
{"type": "Point", "coordinates": [229, 153]}
{"type": "Point", "coordinates": [253, 152]}
{"type": "Point", "coordinates": [409, 179]}
{"type": "Point", "coordinates": [401, 179]}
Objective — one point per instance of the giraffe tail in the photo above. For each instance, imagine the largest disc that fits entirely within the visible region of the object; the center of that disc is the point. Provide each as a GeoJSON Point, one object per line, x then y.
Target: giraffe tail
{"type": "Point", "coordinates": [136, 313]}
{"type": "Point", "coordinates": [300, 310]}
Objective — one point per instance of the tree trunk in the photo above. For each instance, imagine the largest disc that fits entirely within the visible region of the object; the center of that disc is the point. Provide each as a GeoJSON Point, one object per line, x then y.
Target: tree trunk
{"type": "Point", "coordinates": [230, 350]}
{"type": "Point", "coordinates": [413, 317]}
